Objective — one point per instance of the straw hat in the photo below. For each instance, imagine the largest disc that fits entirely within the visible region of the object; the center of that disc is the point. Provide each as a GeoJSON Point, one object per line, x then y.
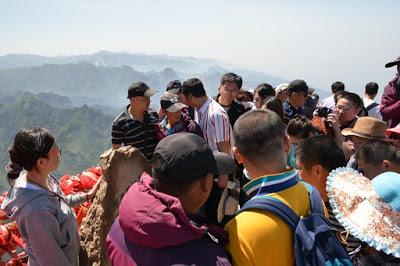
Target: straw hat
{"type": "Point", "coordinates": [367, 127]}
{"type": "Point", "coordinates": [367, 209]}
{"type": "Point", "coordinates": [228, 205]}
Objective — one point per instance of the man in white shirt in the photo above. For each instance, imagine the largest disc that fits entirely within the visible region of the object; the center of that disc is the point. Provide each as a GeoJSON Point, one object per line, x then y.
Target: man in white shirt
{"type": "Point", "coordinates": [329, 102]}
{"type": "Point", "coordinates": [372, 107]}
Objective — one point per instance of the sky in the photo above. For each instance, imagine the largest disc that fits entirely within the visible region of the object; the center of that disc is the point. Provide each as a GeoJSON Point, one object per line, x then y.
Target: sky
{"type": "Point", "coordinates": [318, 41]}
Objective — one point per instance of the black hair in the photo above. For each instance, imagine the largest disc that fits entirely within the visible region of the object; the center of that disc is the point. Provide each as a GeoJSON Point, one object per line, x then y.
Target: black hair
{"type": "Point", "coordinates": [274, 104]}
{"type": "Point", "coordinates": [194, 87]}
{"type": "Point", "coordinates": [301, 127]}
{"type": "Point", "coordinates": [371, 88]}
{"type": "Point", "coordinates": [337, 86]}
{"type": "Point", "coordinates": [350, 96]}
{"type": "Point", "coordinates": [375, 151]}
{"type": "Point", "coordinates": [264, 90]}
{"type": "Point", "coordinates": [259, 136]}
{"type": "Point", "coordinates": [232, 77]}
{"type": "Point", "coordinates": [31, 144]}
{"type": "Point", "coordinates": [320, 150]}
{"type": "Point", "coordinates": [175, 84]}
{"type": "Point", "coordinates": [245, 96]}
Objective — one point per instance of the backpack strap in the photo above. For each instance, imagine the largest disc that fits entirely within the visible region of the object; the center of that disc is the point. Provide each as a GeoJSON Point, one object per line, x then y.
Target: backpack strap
{"type": "Point", "coordinates": [372, 105]}
{"type": "Point", "coordinates": [315, 199]}
{"type": "Point", "coordinates": [277, 207]}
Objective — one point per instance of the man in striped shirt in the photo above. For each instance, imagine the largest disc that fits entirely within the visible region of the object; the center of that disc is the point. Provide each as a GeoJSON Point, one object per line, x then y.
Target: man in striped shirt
{"type": "Point", "coordinates": [214, 122]}
{"type": "Point", "coordinates": [135, 126]}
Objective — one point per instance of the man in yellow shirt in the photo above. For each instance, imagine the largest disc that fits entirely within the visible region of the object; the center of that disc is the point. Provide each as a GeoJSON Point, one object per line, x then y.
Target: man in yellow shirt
{"type": "Point", "coordinates": [258, 237]}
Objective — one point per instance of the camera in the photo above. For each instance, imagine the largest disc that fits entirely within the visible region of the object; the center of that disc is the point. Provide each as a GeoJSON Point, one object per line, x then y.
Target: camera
{"type": "Point", "coordinates": [323, 111]}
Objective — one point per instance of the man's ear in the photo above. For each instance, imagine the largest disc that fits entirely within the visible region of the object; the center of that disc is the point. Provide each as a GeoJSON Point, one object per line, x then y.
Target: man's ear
{"type": "Point", "coordinates": [387, 165]}
{"type": "Point", "coordinates": [317, 170]}
{"type": "Point", "coordinates": [206, 183]}
{"type": "Point", "coordinates": [286, 144]}
{"type": "Point", "coordinates": [238, 156]}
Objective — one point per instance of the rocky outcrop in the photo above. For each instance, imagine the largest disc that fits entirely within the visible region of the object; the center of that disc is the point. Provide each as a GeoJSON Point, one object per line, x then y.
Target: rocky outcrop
{"type": "Point", "coordinates": [121, 168]}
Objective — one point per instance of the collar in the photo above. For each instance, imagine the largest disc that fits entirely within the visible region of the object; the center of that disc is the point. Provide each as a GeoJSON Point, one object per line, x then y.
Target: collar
{"type": "Point", "coordinates": [272, 183]}
{"type": "Point", "coordinates": [205, 105]}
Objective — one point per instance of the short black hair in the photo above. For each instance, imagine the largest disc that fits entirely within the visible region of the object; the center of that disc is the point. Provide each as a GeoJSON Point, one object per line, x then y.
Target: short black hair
{"type": "Point", "coordinates": [300, 126]}
{"type": "Point", "coordinates": [274, 104]}
{"type": "Point", "coordinates": [371, 88]}
{"type": "Point", "coordinates": [193, 86]}
{"type": "Point", "coordinates": [232, 77]}
{"type": "Point", "coordinates": [245, 96]}
{"type": "Point", "coordinates": [337, 86]}
{"type": "Point", "coordinates": [375, 151]}
{"type": "Point", "coordinates": [320, 150]}
{"type": "Point", "coordinates": [350, 96]}
{"type": "Point", "coordinates": [175, 84]}
{"type": "Point", "coordinates": [259, 136]}
{"type": "Point", "coordinates": [264, 90]}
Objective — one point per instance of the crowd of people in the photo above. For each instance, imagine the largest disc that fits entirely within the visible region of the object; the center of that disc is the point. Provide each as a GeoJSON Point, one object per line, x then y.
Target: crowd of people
{"type": "Point", "coordinates": [225, 172]}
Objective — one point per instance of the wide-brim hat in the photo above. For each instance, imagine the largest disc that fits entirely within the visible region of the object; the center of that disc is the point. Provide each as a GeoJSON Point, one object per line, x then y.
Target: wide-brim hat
{"type": "Point", "coordinates": [393, 63]}
{"type": "Point", "coordinates": [367, 209]}
{"type": "Point", "coordinates": [367, 127]}
{"type": "Point", "coordinates": [227, 205]}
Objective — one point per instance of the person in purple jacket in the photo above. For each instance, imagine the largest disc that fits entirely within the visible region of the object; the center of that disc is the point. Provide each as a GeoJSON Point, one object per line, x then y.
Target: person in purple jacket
{"type": "Point", "coordinates": [175, 120]}
{"type": "Point", "coordinates": [390, 103]}
{"type": "Point", "coordinates": [157, 222]}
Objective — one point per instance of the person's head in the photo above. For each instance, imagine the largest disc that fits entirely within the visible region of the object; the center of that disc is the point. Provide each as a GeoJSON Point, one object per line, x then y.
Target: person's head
{"type": "Point", "coordinates": [175, 87]}
{"type": "Point", "coordinates": [261, 93]}
{"type": "Point", "coordinates": [274, 104]}
{"type": "Point", "coordinates": [171, 107]}
{"type": "Point", "coordinates": [245, 96]}
{"type": "Point", "coordinates": [337, 86]}
{"type": "Point", "coordinates": [281, 91]}
{"type": "Point", "coordinates": [229, 87]}
{"type": "Point", "coordinates": [316, 157]}
{"type": "Point", "coordinates": [139, 95]}
{"type": "Point", "coordinates": [255, 146]}
{"type": "Point", "coordinates": [348, 105]}
{"type": "Point", "coordinates": [183, 166]}
{"type": "Point", "coordinates": [35, 149]}
{"type": "Point", "coordinates": [365, 128]}
{"type": "Point", "coordinates": [297, 93]}
{"type": "Point", "coordinates": [371, 89]}
{"type": "Point", "coordinates": [192, 90]}
{"type": "Point", "coordinates": [393, 63]}
{"type": "Point", "coordinates": [375, 157]}
{"type": "Point", "coordinates": [300, 128]}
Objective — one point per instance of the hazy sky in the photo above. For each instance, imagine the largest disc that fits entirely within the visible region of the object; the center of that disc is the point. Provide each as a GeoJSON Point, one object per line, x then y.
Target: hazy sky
{"type": "Point", "coordinates": [319, 41]}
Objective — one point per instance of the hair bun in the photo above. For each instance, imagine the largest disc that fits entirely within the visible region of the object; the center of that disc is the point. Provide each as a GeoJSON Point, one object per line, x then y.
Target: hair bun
{"type": "Point", "coordinates": [13, 169]}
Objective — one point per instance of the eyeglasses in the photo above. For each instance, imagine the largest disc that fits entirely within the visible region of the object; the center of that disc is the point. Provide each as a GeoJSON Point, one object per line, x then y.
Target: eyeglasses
{"type": "Point", "coordinates": [343, 108]}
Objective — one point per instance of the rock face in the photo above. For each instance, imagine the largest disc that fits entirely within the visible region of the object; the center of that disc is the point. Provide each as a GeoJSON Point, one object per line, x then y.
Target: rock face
{"type": "Point", "coordinates": [121, 168]}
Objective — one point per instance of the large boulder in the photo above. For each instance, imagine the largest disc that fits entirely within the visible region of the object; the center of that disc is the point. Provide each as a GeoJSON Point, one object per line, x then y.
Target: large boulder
{"type": "Point", "coordinates": [121, 168]}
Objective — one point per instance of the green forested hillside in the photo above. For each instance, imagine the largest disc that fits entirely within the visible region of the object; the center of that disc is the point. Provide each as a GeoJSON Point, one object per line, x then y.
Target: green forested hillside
{"type": "Point", "coordinates": [82, 133]}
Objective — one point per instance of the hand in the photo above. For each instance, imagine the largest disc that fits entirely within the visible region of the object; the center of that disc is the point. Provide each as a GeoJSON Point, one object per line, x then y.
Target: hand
{"type": "Point", "coordinates": [334, 121]}
{"type": "Point", "coordinates": [94, 189]}
{"type": "Point", "coordinates": [222, 181]}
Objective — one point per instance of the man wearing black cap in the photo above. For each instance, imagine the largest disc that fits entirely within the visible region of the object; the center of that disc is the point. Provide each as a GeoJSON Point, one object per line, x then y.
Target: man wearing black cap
{"type": "Point", "coordinates": [136, 126]}
{"type": "Point", "coordinates": [390, 103]}
{"type": "Point", "coordinates": [297, 95]}
{"type": "Point", "coordinates": [157, 222]}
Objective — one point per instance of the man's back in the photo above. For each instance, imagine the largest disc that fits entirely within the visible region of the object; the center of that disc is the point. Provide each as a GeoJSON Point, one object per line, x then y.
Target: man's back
{"type": "Point", "coordinates": [261, 238]}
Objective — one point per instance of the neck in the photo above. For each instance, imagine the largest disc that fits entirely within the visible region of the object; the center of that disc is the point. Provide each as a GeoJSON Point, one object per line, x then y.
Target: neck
{"type": "Point", "coordinates": [137, 114]}
{"type": "Point", "coordinates": [37, 178]}
{"type": "Point", "coordinates": [369, 97]}
{"type": "Point", "coordinates": [200, 101]}
{"type": "Point", "coordinates": [266, 169]}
